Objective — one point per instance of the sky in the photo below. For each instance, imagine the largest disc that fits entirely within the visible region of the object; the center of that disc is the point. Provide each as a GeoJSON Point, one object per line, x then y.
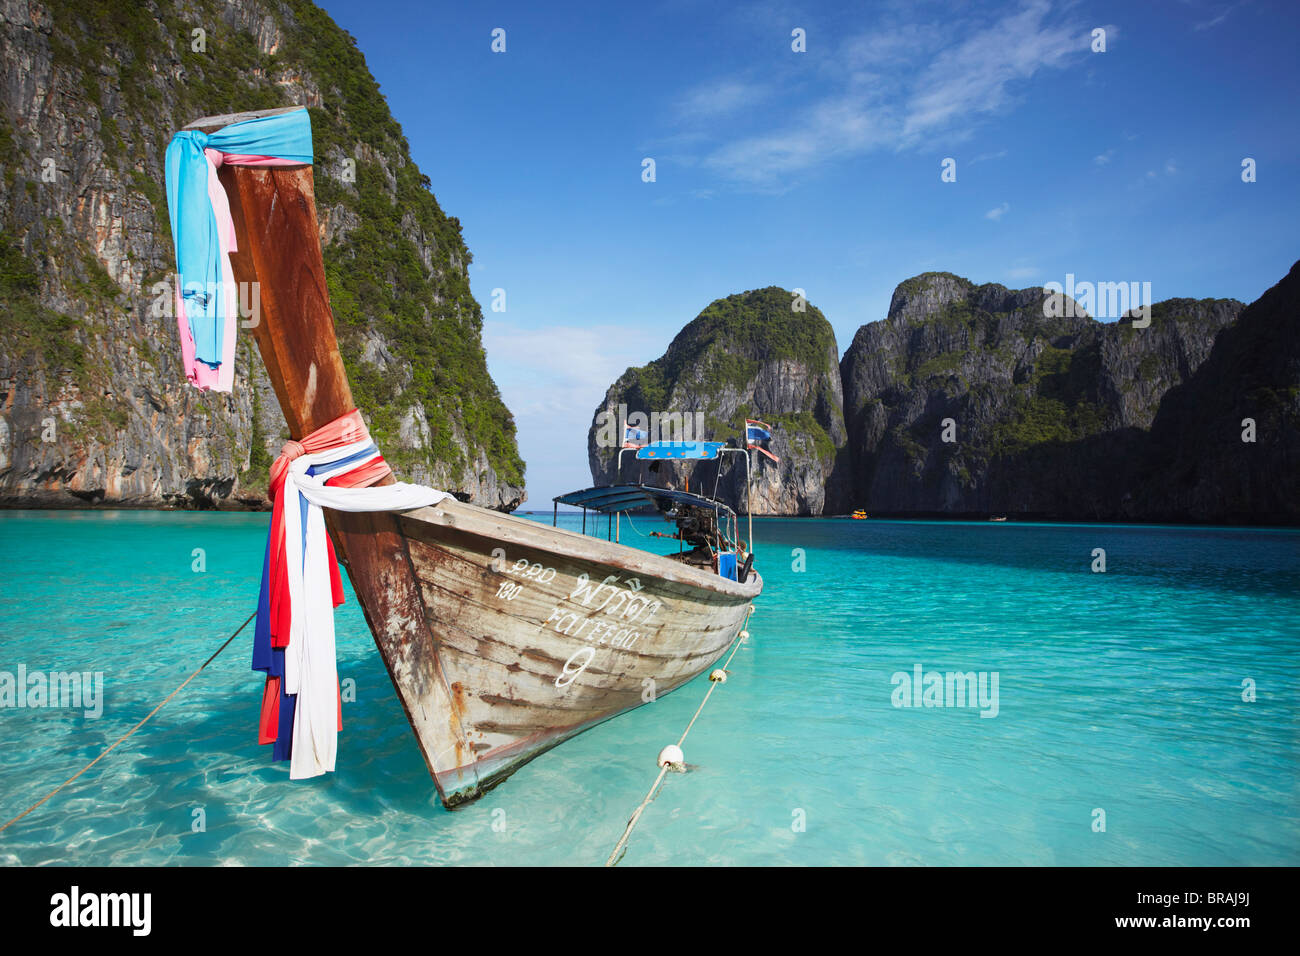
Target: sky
{"type": "Point", "coordinates": [822, 169]}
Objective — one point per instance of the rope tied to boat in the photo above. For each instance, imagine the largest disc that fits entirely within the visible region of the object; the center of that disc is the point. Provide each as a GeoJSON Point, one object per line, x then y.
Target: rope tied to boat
{"type": "Point", "coordinates": [671, 757]}
{"type": "Point", "coordinates": [146, 719]}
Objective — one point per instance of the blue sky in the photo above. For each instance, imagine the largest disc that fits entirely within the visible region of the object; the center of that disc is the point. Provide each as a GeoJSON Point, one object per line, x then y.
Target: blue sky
{"type": "Point", "coordinates": [822, 169]}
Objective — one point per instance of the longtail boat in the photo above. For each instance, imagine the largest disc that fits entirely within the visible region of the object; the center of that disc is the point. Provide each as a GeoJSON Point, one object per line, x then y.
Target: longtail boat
{"type": "Point", "coordinates": [502, 636]}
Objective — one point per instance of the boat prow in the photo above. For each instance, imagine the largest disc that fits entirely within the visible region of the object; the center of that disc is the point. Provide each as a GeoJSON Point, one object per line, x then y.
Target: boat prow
{"type": "Point", "coordinates": [503, 636]}
{"type": "Point", "coordinates": [542, 633]}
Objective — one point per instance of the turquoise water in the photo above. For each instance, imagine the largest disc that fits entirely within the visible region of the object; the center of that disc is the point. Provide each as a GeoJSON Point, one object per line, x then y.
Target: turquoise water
{"type": "Point", "coordinates": [1118, 691]}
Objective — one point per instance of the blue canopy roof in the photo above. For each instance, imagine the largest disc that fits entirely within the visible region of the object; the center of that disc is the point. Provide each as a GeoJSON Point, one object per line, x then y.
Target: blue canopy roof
{"type": "Point", "coordinates": [660, 450]}
{"type": "Point", "coordinates": [620, 498]}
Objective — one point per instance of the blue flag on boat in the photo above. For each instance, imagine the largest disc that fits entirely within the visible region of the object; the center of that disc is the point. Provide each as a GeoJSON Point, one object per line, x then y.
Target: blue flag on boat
{"type": "Point", "coordinates": [635, 437]}
{"type": "Point", "coordinates": [758, 435]}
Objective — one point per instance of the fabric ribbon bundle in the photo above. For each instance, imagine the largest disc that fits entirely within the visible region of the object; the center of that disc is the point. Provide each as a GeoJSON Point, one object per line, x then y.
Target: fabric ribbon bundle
{"type": "Point", "coordinates": [336, 467]}
{"type": "Point", "coordinates": [207, 298]}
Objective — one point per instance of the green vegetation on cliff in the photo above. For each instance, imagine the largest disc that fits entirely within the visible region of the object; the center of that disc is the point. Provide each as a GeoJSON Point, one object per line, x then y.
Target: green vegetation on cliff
{"type": "Point", "coordinates": [725, 345]}
{"type": "Point", "coordinates": [396, 264]}
{"type": "Point", "coordinates": [969, 398]}
{"type": "Point", "coordinates": [383, 282]}
{"type": "Point", "coordinates": [1053, 405]}
{"type": "Point", "coordinates": [26, 323]}
{"type": "Point", "coordinates": [765, 324]}
{"type": "Point", "coordinates": [763, 354]}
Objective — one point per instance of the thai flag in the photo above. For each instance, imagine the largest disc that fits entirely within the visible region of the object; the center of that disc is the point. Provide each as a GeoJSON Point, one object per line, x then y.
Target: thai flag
{"type": "Point", "coordinates": [635, 437]}
{"type": "Point", "coordinates": [758, 435]}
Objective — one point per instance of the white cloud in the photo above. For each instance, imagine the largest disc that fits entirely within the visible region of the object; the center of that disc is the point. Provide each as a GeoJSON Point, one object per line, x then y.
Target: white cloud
{"type": "Point", "coordinates": [552, 378]}
{"type": "Point", "coordinates": [720, 98]}
{"type": "Point", "coordinates": [1103, 159]}
{"type": "Point", "coordinates": [890, 45]}
{"type": "Point", "coordinates": [978, 75]}
{"type": "Point", "coordinates": [1023, 272]}
{"type": "Point", "coordinates": [1215, 20]}
{"type": "Point", "coordinates": [997, 212]}
{"type": "Point", "coordinates": [557, 369]}
{"type": "Point", "coordinates": [834, 128]}
{"type": "Point", "coordinates": [1170, 169]}
{"type": "Point", "coordinates": [898, 87]}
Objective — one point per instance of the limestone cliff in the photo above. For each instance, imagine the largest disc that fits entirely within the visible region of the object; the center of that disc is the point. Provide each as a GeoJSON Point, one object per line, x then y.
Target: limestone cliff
{"type": "Point", "coordinates": [973, 399]}
{"type": "Point", "coordinates": [96, 408]}
{"type": "Point", "coordinates": [1225, 445]}
{"type": "Point", "coordinates": [765, 354]}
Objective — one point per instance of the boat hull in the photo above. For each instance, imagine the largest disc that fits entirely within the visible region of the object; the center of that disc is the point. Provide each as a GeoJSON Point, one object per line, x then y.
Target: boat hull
{"type": "Point", "coordinates": [542, 633]}
{"type": "Point", "coordinates": [475, 671]}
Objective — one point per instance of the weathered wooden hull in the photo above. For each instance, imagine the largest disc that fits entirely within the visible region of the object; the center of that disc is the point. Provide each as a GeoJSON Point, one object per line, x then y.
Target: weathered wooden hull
{"type": "Point", "coordinates": [487, 681]}
{"type": "Point", "coordinates": [543, 633]}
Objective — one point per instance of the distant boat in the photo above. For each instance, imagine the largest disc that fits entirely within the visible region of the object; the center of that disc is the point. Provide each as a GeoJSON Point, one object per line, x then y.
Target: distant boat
{"type": "Point", "coordinates": [859, 514]}
{"type": "Point", "coordinates": [503, 637]}
{"type": "Point", "coordinates": [1002, 518]}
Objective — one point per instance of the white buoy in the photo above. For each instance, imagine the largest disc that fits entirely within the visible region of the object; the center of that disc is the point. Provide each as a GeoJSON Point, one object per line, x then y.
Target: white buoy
{"type": "Point", "coordinates": [744, 635]}
{"type": "Point", "coordinates": [672, 756]}
{"type": "Point", "coordinates": [719, 675]}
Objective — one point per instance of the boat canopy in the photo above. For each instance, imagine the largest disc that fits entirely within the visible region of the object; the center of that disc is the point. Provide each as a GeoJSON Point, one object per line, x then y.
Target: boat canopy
{"type": "Point", "coordinates": [615, 499]}
{"type": "Point", "coordinates": [660, 450]}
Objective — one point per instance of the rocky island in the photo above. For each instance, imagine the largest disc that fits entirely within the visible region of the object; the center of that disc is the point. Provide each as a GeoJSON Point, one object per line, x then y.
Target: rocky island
{"type": "Point", "coordinates": [978, 400]}
{"type": "Point", "coordinates": [96, 409]}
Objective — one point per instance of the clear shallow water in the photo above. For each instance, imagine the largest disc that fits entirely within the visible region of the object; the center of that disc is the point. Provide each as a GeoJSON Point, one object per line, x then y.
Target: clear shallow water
{"type": "Point", "coordinates": [1119, 691]}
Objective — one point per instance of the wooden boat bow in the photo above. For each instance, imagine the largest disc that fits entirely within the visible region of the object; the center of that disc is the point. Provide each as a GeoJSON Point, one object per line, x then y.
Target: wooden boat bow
{"type": "Point", "coordinates": [274, 213]}
{"type": "Point", "coordinates": [494, 630]}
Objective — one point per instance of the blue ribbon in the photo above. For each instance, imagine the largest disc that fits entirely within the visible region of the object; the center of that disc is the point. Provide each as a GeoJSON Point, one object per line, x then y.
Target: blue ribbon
{"type": "Point", "coordinates": [194, 224]}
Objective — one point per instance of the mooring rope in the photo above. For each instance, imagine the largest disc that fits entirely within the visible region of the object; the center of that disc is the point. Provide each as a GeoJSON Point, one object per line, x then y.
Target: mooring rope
{"type": "Point", "coordinates": [133, 729]}
{"type": "Point", "coordinates": [621, 846]}
{"type": "Point", "coordinates": [628, 516]}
